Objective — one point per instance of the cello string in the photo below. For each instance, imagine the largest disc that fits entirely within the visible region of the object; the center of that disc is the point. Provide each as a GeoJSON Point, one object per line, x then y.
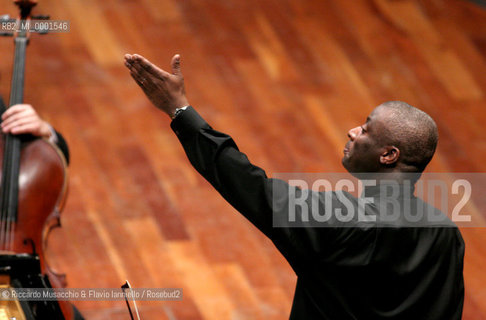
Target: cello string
{"type": "Point", "coordinates": [5, 184]}
{"type": "Point", "coordinates": [5, 181]}
{"type": "Point", "coordinates": [17, 99]}
{"type": "Point", "coordinates": [16, 145]}
{"type": "Point", "coordinates": [12, 236]}
{"type": "Point", "coordinates": [7, 216]}
{"type": "Point", "coordinates": [8, 172]}
{"type": "Point", "coordinates": [5, 191]}
{"type": "Point", "coordinates": [6, 176]}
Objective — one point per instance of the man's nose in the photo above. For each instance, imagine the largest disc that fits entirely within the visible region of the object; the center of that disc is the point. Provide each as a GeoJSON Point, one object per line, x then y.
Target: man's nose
{"type": "Point", "coordinates": [353, 133]}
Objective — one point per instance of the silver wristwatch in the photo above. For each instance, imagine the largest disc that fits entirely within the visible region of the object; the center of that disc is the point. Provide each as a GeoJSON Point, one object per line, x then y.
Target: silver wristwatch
{"type": "Point", "coordinates": [179, 111]}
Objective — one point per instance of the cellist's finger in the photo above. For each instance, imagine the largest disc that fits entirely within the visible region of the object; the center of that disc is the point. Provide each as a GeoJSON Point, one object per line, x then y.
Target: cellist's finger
{"type": "Point", "coordinates": [24, 128]}
{"type": "Point", "coordinates": [7, 127]}
{"type": "Point", "coordinates": [18, 108]}
{"type": "Point", "coordinates": [16, 117]}
{"type": "Point", "coordinates": [31, 124]}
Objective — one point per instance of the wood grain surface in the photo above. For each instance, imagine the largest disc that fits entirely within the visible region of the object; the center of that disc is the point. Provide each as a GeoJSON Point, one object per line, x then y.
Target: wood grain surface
{"type": "Point", "coordinates": [287, 79]}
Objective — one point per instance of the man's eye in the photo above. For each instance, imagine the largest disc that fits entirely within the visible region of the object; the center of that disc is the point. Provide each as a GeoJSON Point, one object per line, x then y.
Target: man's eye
{"type": "Point", "coordinates": [363, 129]}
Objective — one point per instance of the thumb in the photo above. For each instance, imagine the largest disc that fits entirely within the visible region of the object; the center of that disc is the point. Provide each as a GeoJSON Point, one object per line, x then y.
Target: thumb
{"type": "Point", "coordinates": [176, 65]}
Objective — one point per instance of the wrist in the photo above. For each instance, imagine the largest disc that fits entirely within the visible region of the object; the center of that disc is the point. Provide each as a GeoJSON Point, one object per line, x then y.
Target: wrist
{"type": "Point", "coordinates": [179, 103]}
{"type": "Point", "coordinates": [172, 112]}
{"type": "Point", "coordinates": [46, 131]}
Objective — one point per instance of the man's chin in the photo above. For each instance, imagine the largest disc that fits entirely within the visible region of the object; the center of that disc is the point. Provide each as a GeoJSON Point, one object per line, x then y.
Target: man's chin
{"type": "Point", "coordinates": [354, 171]}
{"type": "Point", "coordinates": [345, 162]}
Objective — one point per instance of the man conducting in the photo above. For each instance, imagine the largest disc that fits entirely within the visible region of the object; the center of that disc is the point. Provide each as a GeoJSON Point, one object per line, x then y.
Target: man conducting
{"type": "Point", "coordinates": [374, 269]}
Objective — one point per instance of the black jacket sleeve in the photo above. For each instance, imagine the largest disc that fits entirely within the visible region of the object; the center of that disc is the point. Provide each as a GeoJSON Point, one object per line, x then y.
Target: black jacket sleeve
{"type": "Point", "coordinates": [217, 158]}
{"type": "Point", "coordinates": [245, 186]}
{"type": "Point", "coordinates": [62, 144]}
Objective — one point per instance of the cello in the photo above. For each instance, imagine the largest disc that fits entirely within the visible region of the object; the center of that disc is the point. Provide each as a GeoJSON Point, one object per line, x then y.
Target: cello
{"type": "Point", "coordinates": [32, 194]}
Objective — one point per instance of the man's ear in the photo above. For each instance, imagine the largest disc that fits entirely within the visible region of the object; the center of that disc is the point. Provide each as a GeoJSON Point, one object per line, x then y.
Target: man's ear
{"type": "Point", "coordinates": [390, 155]}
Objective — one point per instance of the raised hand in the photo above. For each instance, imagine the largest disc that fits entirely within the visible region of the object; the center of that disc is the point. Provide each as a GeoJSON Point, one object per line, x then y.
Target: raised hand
{"type": "Point", "coordinates": [165, 90]}
{"type": "Point", "coordinates": [22, 118]}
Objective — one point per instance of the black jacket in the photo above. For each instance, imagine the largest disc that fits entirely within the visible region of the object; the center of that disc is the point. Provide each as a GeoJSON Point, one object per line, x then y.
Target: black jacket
{"type": "Point", "coordinates": [357, 271]}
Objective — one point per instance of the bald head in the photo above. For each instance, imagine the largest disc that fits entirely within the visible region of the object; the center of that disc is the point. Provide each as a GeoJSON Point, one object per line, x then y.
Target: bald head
{"type": "Point", "coordinates": [411, 130]}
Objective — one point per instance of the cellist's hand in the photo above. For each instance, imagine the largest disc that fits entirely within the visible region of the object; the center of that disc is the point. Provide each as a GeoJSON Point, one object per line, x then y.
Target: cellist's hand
{"type": "Point", "coordinates": [22, 118]}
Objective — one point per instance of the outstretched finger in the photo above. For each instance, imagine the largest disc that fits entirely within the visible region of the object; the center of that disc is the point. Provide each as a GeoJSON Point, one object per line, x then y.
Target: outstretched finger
{"type": "Point", "coordinates": [130, 62]}
{"type": "Point", "coordinates": [129, 65]}
{"type": "Point", "coordinates": [128, 57]}
{"type": "Point", "coordinates": [139, 74]}
{"type": "Point", "coordinates": [176, 65]}
{"type": "Point", "coordinates": [139, 70]}
{"type": "Point", "coordinates": [138, 80]}
{"type": "Point", "coordinates": [150, 67]}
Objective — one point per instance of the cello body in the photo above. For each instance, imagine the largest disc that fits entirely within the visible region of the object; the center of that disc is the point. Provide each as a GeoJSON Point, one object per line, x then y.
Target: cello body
{"type": "Point", "coordinates": [42, 192]}
{"type": "Point", "coordinates": [41, 195]}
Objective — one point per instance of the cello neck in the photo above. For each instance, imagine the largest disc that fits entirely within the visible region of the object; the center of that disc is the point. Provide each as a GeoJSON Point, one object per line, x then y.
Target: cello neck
{"type": "Point", "coordinates": [11, 156]}
{"type": "Point", "coordinates": [21, 41]}
{"type": "Point", "coordinates": [18, 74]}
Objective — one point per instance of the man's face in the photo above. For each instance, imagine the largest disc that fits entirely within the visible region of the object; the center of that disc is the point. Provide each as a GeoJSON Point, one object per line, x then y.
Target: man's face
{"type": "Point", "coordinates": [365, 145]}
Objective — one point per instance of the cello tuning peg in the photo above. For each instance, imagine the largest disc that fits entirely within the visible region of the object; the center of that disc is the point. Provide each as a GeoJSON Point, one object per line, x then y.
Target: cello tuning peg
{"type": "Point", "coordinates": [41, 17]}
